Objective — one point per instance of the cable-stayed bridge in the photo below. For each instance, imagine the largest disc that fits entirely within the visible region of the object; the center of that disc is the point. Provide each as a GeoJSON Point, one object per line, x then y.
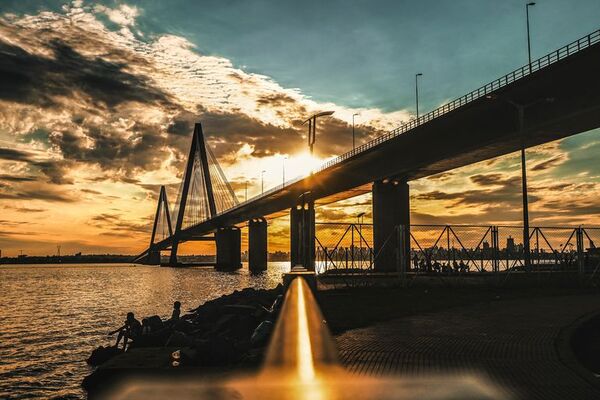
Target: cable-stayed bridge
{"type": "Point", "coordinates": [555, 96]}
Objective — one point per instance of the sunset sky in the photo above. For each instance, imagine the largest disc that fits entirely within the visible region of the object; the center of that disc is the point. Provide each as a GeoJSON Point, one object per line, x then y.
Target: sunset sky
{"type": "Point", "coordinates": [98, 101]}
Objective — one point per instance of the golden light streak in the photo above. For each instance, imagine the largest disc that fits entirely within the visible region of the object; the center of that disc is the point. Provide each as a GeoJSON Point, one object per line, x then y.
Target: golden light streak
{"type": "Point", "coordinates": [306, 368]}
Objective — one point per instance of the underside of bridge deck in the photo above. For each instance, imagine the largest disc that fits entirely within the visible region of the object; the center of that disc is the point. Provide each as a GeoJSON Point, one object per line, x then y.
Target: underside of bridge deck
{"type": "Point", "coordinates": [559, 99]}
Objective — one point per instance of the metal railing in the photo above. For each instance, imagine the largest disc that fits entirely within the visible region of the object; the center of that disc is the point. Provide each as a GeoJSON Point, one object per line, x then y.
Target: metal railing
{"type": "Point", "coordinates": [346, 247]}
{"type": "Point", "coordinates": [459, 249]}
{"type": "Point", "coordinates": [519, 73]}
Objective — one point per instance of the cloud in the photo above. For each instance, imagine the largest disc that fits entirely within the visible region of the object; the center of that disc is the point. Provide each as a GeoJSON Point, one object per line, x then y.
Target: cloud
{"type": "Point", "coordinates": [12, 178]}
{"type": "Point", "coordinates": [116, 225]}
{"type": "Point", "coordinates": [14, 155]}
{"type": "Point", "coordinates": [123, 15]}
{"type": "Point", "coordinates": [44, 193]}
{"type": "Point", "coordinates": [55, 170]}
{"type": "Point", "coordinates": [488, 179]}
{"type": "Point", "coordinates": [551, 163]}
{"type": "Point", "coordinates": [49, 81]}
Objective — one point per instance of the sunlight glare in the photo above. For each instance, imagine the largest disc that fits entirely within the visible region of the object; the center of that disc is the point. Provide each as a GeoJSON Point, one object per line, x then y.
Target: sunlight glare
{"type": "Point", "coordinates": [306, 369]}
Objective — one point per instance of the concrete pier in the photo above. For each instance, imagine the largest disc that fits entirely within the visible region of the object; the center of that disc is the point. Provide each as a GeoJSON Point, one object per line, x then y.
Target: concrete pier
{"type": "Point", "coordinates": [302, 236]}
{"type": "Point", "coordinates": [257, 244]}
{"type": "Point", "coordinates": [391, 208]}
{"type": "Point", "coordinates": [229, 243]}
{"type": "Point", "coordinates": [153, 257]}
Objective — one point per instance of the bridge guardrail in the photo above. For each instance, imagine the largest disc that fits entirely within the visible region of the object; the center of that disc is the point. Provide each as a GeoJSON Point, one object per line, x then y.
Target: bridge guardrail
{"type": "Point", "coordinates": [519, 73]}
{"type": "Point", "coordinates": [449, 249]}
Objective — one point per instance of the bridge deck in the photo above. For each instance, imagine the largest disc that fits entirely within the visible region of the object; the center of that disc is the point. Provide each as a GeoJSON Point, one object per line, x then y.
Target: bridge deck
{"type": "Point", "coordinates": [561, 97]}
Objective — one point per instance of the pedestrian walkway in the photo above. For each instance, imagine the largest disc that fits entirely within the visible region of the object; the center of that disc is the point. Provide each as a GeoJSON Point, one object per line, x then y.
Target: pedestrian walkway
{"type": "Point", "coordinates": [516, 344]}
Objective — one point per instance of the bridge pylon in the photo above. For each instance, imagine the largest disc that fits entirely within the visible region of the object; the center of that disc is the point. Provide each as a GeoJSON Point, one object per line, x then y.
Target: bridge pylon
{"type": "Point", "coordinates": [197, 151]}
{"type": "Point", "coordinates": [161, 218]}
{"type": "Point", "coordinates": [203, 194]}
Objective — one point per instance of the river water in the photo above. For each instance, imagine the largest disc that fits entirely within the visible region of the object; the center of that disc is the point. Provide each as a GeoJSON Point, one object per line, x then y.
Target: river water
{"type": "Point", "coordinates": [53, 316]}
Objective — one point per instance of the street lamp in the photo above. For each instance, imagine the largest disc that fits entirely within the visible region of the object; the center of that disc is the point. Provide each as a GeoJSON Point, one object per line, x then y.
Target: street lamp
{"type": "Point", "coordinates": [521, 115]}
{"type": "Point", "coordinates": [528, 39]}
{"type": "Point", "coordinates": [417, 91]}
{"type": "Point", "coordinates": [312, 128]}
{"type": "Point", "coordinates": [353, 140]}
{"type": "Point", "coordinates": [262, 181]}
{"type": "Point", "coordinates": [283, 169]}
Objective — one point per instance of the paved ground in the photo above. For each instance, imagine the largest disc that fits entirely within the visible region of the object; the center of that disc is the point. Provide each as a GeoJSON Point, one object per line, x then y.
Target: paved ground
{"type": "Point", "coordinates": [515, 343]}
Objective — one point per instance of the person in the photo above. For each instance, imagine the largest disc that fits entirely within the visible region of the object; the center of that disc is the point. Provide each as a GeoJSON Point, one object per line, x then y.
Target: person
{"type": "Point", "coordinates": [176, 311]}
{"type": "Point", "coordinates": [129, 331]}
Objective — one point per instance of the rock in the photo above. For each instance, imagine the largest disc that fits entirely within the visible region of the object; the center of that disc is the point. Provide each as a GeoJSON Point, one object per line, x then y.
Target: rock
{"type": "Point", "coordinates": [261, 333]}
{"type": "Point", "coordinates": [155, 323]}
{"type": "Point", "coordinates": [239, 309]}
{"type": "Point", "coordinates": [102, 354]}
{"type": "Point", "coordinates": [179, 339]}
{"type": "Point", "coordinates": [183, 326]}
{"type": "Point", "coordinates": [216, 351]}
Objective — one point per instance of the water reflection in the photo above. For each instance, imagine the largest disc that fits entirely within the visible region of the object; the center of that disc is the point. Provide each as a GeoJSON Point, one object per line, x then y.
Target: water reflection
{"type": "Point", "coordinates": [52, 316]}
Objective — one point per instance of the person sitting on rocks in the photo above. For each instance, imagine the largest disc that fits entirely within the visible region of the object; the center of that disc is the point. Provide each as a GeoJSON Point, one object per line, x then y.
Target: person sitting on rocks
{"type": "Point", "coordinates": [176, 311]}
{"type": "Point", "coordinates": [129, 331]}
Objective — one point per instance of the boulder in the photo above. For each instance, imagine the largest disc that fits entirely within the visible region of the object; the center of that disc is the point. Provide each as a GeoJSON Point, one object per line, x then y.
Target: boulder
{"type": "Point", "coordinates": [179, 339]}
{"type": "Point", "coordinates": [262, 333]}
{"type": "Point", "coordinates": [102, 354]}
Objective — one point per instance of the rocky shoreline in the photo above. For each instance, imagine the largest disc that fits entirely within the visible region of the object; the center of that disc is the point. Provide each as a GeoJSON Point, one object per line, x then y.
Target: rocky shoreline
{"type": "Point", "coordinates": [222, 334]}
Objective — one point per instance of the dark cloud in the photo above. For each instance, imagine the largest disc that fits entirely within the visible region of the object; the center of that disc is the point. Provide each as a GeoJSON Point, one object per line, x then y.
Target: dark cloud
{"type": "Point", "coordinates": [488, 179]}
{"type": "Point", "coordinates": [90, 191]}
{"type": "Point", "coordinates": [499, 190]}
{"type": "Point", "coordinates": [276, 100]}
{"type": "Point", "coordinates": [328, 214]}
{"type": "Point", "coordinates": [553, 162]}
{"type": "Point", "coordinates": [115, 224]}
{"type": "Point", "coordinates": [441, 177]}
{"type": "Point", "coordinates": [228, 132]}
{"type": "Point", "coordinates": [438, 195]}
{"type": "Point", "coordinates": [37, 193]}
{"type": "Point", "coordinates": [17, 178]}
{"type": "Point", "coordinates": [33, 79]}
{"type": "Point", "coordinates": [111, 151]}
{"type": "Point", "coordinates": [14, 155]}
{"type": "Point", "coordinates": [55, 170]}
{"type": "Point", "coordinates": [29, 209]}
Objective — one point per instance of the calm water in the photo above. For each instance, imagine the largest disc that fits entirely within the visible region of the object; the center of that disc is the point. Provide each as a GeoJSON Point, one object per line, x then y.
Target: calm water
{"type": "Point", "coordinates": [53, 316]}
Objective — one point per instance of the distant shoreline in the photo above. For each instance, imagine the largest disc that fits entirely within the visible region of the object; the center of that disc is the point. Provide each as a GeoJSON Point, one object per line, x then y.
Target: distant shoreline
{"type": "Point", "coordinates": [103, 259]}
{"type": "Point", "coordinates": [72, 259]}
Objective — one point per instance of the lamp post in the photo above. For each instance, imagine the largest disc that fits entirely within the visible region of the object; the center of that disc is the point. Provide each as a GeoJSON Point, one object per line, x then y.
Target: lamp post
{"type": "Point", "coordinates": [521, 126]}
{"type": "Point", "coordinates": [262, 181]}
{"type": "Point", "coordinates": [283, 170]}
{"type": "Point", "coordinates": [312, 128]}
{"type": "Point", "coordinates": [417, 91]}
{"type": "Point", "coordinates": [353, 140]}
{"type": "Point", "coordinates": [359, 220]}
{"type": "Point", "coordinates": [528, 38]}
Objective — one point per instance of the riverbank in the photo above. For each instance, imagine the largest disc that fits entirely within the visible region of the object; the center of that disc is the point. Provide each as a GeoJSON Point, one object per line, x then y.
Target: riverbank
{"type": "Point", "coordinates": [345, 310]}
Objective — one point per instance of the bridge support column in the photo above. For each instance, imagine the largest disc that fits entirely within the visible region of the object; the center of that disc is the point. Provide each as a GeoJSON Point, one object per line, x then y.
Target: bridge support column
{"type": "Point", "coordinates": [302, 236]}
{"type": "Point", "coordinates": [391, 208]}
{"type": "Point", "coordinates": [228, 241]}
{"type": "Point", "coordinates": [257, 244]}
{"type": "Point", "coordinates": [153, 257]}
{"type": "Point", "coordinates": [295, 251]}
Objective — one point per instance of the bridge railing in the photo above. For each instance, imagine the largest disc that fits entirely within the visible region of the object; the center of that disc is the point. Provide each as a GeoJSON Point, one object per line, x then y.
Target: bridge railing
{"type": "Point", "coordinates": [450, 249]}
{"type": "Point", "coordinates": [519, 73]}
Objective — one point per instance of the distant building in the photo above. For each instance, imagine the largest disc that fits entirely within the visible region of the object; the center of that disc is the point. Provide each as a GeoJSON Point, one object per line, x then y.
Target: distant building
{"type": "Point", "coordinates": [510, 244]}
